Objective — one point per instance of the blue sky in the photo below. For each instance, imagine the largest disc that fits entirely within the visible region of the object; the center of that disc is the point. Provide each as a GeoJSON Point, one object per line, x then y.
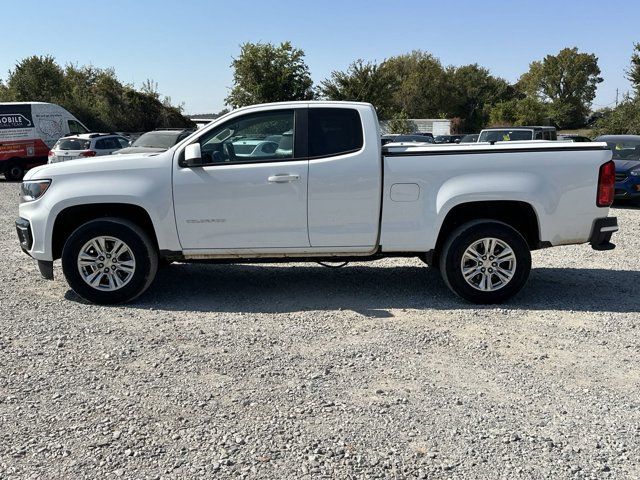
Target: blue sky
{"type": "Point", "coordinates": [187, 46]}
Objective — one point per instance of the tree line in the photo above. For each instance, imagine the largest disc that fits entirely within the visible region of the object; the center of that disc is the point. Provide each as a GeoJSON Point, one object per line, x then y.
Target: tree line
{"type": "Point", "coordinates": [94, 95]}
{"type": "Point", "coordinates": [557, 89]}
{"type": "Point", "coordinates": [624, 119]}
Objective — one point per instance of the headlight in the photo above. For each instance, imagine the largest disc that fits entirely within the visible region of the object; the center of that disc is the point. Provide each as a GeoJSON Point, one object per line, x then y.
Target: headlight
{"type": "Point", "coordinates": [635, 173]}
{"type": "Point", "coordinates": [34, 189]}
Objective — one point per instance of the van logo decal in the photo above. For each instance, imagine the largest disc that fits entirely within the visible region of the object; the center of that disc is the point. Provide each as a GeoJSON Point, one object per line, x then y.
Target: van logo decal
{"type": "Point", "coordinates": [14, 121]}
{"type": "Point", "coordinates": [15, 116]}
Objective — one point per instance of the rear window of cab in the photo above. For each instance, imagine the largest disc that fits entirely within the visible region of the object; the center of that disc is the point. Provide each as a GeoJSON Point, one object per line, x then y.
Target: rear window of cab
{"type": "Point", "coordinates": [72, 144]}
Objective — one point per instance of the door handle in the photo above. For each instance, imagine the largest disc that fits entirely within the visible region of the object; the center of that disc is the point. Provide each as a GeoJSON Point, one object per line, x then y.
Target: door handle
{"type": "Point", "coordinates": [283, 178]}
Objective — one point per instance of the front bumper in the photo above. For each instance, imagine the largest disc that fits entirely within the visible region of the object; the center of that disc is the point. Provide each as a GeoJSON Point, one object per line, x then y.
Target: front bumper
{"type": "Point", "coordinates": [25, 237]}
{"type": "Point", "coordinates": [601, 232]}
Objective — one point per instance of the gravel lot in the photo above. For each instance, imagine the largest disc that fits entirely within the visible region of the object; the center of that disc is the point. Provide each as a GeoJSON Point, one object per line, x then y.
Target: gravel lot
{"type": "Point", "coordinates": [372, 371]}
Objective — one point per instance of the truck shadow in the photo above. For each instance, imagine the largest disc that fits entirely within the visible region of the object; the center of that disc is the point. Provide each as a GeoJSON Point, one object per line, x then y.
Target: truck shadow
{"type": "Point", "coordinates": [372, 291]}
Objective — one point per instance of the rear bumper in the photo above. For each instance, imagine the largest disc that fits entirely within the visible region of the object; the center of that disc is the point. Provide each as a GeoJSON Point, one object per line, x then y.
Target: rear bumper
{"type": "Point", "coordinates": [601, 232]}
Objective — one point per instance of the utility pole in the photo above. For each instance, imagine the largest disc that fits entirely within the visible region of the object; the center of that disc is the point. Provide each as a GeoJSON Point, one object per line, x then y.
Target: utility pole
{"type": "Point", "coordinates": [616, 97]}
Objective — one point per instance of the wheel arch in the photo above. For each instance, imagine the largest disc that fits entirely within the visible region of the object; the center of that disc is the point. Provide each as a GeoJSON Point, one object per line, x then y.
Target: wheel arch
{"type": "Point", "coordinates": [70, 218]}
{"type": "Point", "coordinates": [519, 215]}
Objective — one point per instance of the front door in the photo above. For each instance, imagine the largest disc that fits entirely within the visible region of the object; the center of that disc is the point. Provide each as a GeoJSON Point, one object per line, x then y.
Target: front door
{"type": "Point", "coordinates": [250, 192]}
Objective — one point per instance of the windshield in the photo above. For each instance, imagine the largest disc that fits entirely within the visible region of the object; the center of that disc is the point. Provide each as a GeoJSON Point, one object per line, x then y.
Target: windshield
{"type": "Point", "coordinates": [625, 150]}
{"type": "Point", "coordinates": [157, 140]}
{"type": "Point", "coordinates": [505, 135]}
{"type": "Point", "coordinates": [72, 144]}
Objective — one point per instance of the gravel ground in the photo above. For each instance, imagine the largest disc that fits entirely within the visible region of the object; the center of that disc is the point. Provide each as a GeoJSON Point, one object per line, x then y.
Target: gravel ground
{"type": "Point", "coordinates": [372, 371]}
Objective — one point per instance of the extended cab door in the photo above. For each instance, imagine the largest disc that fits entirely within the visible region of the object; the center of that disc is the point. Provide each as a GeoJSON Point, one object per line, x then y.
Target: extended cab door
{"type": "Point", "coordinates": [345, 176]}
{"type": "Point", "coordinates": [251, 191]}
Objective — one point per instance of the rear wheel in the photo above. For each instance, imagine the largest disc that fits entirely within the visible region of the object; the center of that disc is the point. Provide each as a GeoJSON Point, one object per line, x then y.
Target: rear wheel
{"type": "Point", "coordinates": [485, 261]}
{"type": "Point", "coordinates": [14, 172]}
{"type": "Point", "coordinates": [109, 260]}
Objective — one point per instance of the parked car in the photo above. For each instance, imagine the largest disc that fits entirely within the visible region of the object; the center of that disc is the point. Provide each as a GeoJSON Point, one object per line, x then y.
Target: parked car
{"type": "Point", "coordinates": [469, 138]}
{"type": "Point", "coordinates": [425, 134]}
{"type": "Point", "coordinates": [158, 140]}
{"type": "Point", "coordinates": [28, 130]}
{"type": "Point", "coordinates": [329, 192]}
{"type": "Point", "coordinates": [86, 145]}
{"type": "Point", "coordinates": [570, 137]}
{"type": "Point", "coordinates": [626, 155]}
{"type": "Point", "coordinates": [448, 138]}
{"type": "Point", "coordinates": [507, 134]}
{"type": "Point", "coordinates": [414, 138]}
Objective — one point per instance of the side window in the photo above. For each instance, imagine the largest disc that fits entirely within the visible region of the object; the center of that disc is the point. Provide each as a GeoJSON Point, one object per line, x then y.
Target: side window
{"type": "Point", "coordinates": [547, 135]}
{"type": "Point", "coordinates": [251, 138]}
{"type": "Point", "coordinates": [122, 142]}
{"type": "Point", "coordinates": [101, 145]}
{"type": "Point", "coordinates": [112, 143]}
{"type": "Point", "coordinates": [334, 131]}
{"type": "Point", "coordinates": [75, 128]}
{"type": "Point", "coordinates": [538, 135]}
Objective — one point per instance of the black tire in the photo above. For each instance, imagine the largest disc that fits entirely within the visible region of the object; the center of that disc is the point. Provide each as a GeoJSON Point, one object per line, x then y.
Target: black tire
{"type": "Point", "coordinates": [14, 172]}
{"type": "Point", "coordinates": [139, 243]}
{"type": "Point", "coordinates": [468, 235]}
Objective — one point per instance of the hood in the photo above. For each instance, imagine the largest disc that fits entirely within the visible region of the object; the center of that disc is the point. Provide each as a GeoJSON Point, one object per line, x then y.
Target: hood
{"type": "Point", "coordinates": [129, 150]}
{"type": "Point", "coordinates": [97, 165]}
{"type": "Point", "coordinates": [626, 165]}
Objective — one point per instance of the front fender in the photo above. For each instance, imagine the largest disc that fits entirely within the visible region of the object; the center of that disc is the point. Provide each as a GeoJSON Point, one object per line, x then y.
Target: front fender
{"type": "Point", "coordinates": [147, 188]}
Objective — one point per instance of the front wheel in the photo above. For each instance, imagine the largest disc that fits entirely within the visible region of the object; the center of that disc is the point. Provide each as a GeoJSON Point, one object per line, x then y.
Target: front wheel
{"type": "Point", "coordinates": [485, 261]}
{"type": "Point", "coordinates": [109, 261]}
{"type": "Point", "coordinates": [14, 172]}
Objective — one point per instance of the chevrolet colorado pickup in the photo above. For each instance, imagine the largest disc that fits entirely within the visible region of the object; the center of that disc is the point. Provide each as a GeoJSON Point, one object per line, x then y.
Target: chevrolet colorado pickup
{"type": "Point", "coordinates": [309, 181]}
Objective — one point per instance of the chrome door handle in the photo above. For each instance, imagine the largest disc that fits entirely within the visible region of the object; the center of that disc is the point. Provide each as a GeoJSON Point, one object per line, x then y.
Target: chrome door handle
{"type": "Point", "coordinates": [283, 178]}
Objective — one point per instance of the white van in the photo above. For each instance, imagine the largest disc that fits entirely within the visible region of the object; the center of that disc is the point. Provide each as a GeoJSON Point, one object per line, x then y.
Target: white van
{"type": "Point", "coordinates": [28, 130]}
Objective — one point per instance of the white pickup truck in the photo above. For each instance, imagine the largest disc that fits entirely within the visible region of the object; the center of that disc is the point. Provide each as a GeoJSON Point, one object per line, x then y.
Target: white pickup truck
{"type": "Point", "coordinates": [309, 181]}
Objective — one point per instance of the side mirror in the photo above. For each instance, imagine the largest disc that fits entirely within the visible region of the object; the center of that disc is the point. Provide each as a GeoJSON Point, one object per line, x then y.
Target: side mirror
{"type": "Point", "coordinates": [193, 155]}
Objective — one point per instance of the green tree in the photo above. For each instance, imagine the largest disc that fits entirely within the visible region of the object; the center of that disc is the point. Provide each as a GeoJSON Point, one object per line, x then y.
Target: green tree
{"type": "Point", "coordinates": [622, 120]}
{"type": "Point", "coordinates": [633, 72]}
{"type": "Point", "coordinates": [264, 73]}
{"type": "Point", "coordinates": [567, 81]}
{"type": "Point", "coordinates": [94, 95]}
{"type": "Point", "coordinates": [474, 91]}
{"type": "Point", "coordinates": [4, 92]}
{"type": "Point", "coordinates": [35, 79]}
{"type": "Point", "coordinates": [520, 111]}
{"type": "Point", "coordinates": [419, 84]}
{"type": "Point", "coordinates": [361, 82]}
{"type": "Point", "coordinates": [399, 123]}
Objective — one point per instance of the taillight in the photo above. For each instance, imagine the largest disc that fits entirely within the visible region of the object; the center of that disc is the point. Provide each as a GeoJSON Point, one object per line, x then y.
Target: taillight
{"type": "Point", "coordinates": [606, 184]}
{"type": "Point", "coordinates": [51, 154]}
{"type": "Point", "coordinates": [88, 153]}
